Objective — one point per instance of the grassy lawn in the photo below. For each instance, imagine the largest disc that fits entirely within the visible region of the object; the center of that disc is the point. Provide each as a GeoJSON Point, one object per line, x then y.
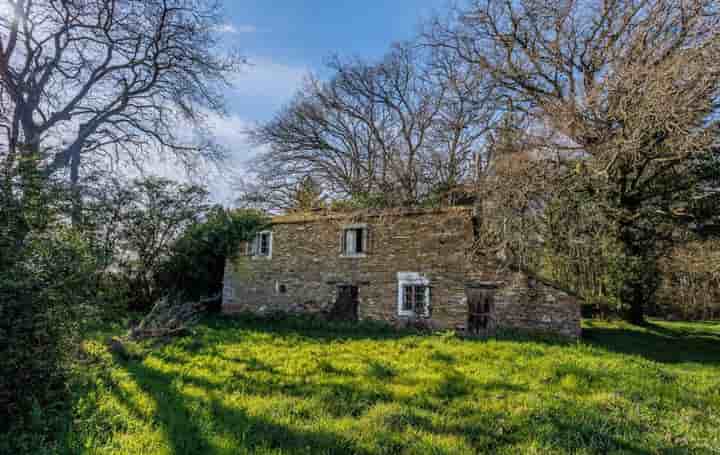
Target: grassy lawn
{"type": "Point", "coordinates": [283, 387]}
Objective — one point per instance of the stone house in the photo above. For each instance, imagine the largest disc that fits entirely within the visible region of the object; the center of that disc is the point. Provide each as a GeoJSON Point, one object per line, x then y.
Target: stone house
{"type": "Point", "coordinates": [405, 266]}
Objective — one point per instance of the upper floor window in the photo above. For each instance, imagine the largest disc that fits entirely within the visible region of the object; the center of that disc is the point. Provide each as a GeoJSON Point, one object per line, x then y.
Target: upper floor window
{"type": "Point", "coordinates": [261, 245]}
{"type": "Point", "coordinates": [354, 241]}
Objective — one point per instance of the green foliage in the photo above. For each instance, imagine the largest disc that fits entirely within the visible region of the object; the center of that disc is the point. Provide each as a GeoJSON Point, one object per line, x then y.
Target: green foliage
{"type": "Point", "coordinates": [308, 195]}
{"type": "Point", "coordinates": [57, 279]}
{"type": "Point", "coordinates": [152, 214]}
{"type": "Point", "coordinates": [360, 201]}
{"type": "Point", "coordinates": [48, 278]}
{"type": "Point", "coordinates": [290, 387]}
{"type": "Point", "coordinates": [196, 262]}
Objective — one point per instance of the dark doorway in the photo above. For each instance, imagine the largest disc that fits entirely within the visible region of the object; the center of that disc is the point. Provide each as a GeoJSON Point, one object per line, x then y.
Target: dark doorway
{"type": "Point", "coordinates": [481, 311]}
{"type": "Point", "coordinates": [346, 305]}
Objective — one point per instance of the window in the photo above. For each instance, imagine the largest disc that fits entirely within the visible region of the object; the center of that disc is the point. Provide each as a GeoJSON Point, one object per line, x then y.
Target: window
{"type": "Point", "coordinates": [261, 245]}
{"type": "Point", "coordinates": [414, 301]}
{"type": "Point", "coordinates": [354, 240]}
{"type": "Point", "coordinates": [413, 295]}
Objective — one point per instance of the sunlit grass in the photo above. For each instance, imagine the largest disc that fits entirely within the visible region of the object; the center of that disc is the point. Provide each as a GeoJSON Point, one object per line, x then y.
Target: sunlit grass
{"type": "Point", "coordinates": [243, 386]}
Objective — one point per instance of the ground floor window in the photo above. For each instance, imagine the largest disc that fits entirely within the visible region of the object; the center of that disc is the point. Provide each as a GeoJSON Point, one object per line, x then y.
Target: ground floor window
{"type": "Point", "coordinates": [413, 294]}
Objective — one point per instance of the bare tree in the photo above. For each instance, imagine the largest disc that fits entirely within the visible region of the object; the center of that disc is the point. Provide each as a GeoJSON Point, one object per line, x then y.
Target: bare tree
{"type": "Point", "coordinates": [630, 88]}
{"type": "Point", "coordinates": [401, 128]}
{"type": "Point", "coordinates": [469, 111]}
{"type": "Point", "coordinates": [410, 104]}
{"type": "Point", "coordinates": [117, 77]}
{"type": "Point", "coordinates": [321, 134]}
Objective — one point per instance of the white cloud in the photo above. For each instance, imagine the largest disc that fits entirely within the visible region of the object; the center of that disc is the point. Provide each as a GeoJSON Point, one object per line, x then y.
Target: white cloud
{"type": "Point", "coordinates": [233, 29]}
{"type": "Point", "coordinates": [246, 29]}
{"type": "Point", "coordinates": [232, 132]}
{"type": "Point", "coordinates": [220, 178]}
{"type": "Point", "coordinates": [267, 83]}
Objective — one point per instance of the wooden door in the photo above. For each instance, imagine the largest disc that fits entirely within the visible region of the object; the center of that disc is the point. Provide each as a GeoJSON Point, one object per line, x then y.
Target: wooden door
{"type": "Point", "coordinates": [481, 311]}
{"type": "Point", "coordinates": [346, 304]}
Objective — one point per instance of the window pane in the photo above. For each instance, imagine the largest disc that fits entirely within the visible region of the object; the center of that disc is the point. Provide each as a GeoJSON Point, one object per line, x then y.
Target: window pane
{"type": "Point", "coordinates": [350, 241]}
{"type": "Point", "coordinates": [359, 247]}
{"type": "Point", "coordinates": [407, 301]}
{"type": "Point", "coordinates": [420, 299]}
{"type": "Point", "coordinates": [264, 244]}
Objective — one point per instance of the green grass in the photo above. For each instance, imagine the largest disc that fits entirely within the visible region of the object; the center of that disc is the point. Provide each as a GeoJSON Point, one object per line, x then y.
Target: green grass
{"type": "Point", "coordinates": [242, 386]}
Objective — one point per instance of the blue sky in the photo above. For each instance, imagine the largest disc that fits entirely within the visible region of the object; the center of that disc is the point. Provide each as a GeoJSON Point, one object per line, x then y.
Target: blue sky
{"type": "Point", "coordinates": [284, 40]}
{"type": "Point", "coordinates": [290, 37]}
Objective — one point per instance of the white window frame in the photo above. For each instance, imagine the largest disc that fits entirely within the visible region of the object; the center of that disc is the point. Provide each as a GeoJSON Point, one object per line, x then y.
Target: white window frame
{"type": "Point", "coordinates": [254, 245]}
{"type": "Point", "coordinates": [343, 240]}
{"type": "Point", "coordinates": [412, 279]}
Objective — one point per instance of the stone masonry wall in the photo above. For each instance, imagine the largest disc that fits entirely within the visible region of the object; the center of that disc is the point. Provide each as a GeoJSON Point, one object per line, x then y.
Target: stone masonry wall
{"type": "Point", "coordinates": [530, 305]}
{"type": "Point", "coordinates": [307, 267]}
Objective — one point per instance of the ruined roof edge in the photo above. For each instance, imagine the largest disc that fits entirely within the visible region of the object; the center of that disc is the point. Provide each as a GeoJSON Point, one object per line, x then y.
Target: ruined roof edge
{"type": "Point", "coordinates": [307, 217]}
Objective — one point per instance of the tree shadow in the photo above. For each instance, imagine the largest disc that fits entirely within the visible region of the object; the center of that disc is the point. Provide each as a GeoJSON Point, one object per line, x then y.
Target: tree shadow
{"type": "Point", "coordinates": [194, 423]}
{"type": "Point", "coordinates": [310, 328]}
{"type": "Point", "coordinates": [180, 417]}
{"type": "Point", "coordinates": [657, 342]}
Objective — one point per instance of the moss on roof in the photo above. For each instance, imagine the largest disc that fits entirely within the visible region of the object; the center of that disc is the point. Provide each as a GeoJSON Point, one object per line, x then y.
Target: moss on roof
{"type": "Point", "coordinates": [319, 215]}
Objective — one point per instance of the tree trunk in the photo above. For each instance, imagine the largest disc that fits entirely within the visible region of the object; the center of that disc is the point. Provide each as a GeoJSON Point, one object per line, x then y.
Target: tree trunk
{"type": "Point", "coordinates": [635, 313]}
{"type": "Point", "coordinates": [638, 277]}
{"type": "Point", "coordinates": [76, 209]}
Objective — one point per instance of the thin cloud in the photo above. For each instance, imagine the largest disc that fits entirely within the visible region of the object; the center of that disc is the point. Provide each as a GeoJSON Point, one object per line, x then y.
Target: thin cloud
{"type": "Point", "coordinates": [272, 82]}
{"type": "Point", "coordinates": [234, 29]}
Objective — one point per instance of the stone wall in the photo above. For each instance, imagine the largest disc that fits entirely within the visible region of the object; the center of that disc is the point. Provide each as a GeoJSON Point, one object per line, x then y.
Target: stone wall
{"type": "Point", "coordinates": [306, 268]}
{"type": "Point", "coordinates": [531, 305]}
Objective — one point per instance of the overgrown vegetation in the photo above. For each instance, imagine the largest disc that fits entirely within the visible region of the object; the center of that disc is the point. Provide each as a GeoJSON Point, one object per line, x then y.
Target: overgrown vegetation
{"type": "Point", "coordinates": [47, 278]}
{"type": "Point", "coordinates": [619, 105]}
{"type": "Point", "coordinates": [301, 386]}
{"type": "Point", "coordinates": [58, 277]}
{"type": "Point", "coordinates": [196, 267]}
{"type": "Point", "coordinates": [87, 88]}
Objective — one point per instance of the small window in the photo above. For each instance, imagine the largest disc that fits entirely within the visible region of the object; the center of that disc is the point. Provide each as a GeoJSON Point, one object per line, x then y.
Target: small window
{"type": "Point", "coordinates": [413, 295]}
{"type": "Point", "coordinates": [261, 244]}
{"type": "Point", "coordinates": [354, 241]}
{"type": "Point", "coordinates": [414, 299]}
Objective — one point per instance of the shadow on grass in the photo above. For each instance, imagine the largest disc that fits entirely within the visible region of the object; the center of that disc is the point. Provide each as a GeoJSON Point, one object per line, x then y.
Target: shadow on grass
{"type": "Point", "coordinates": [657, 342]}
{"type": "Point", "coordinates": [195, 422]}
{"type": "Point", "coordinates": [192, 422]}
{"type": "Point", "coordinates": [308, 327]}
{"type": "Point", "coordinates": [678, 343]}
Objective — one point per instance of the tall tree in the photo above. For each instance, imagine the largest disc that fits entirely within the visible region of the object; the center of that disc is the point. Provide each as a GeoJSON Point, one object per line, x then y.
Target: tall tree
{"type": "Point", "coordinates": [630, 88]}
{"type": "Point", "coordinates": [83, 78]}
{"type": "Point", "coordinates": [402, 128]}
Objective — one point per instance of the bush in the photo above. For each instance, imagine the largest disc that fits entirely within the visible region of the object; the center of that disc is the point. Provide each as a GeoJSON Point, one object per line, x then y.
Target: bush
{"type": "Point", "coordinates": [196, 263]}
{"type": "Point", "coordinates": [44, 296]}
